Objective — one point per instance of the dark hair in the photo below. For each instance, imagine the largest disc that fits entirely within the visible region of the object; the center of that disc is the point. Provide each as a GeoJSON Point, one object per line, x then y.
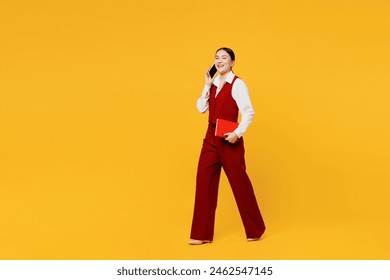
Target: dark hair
{"type": "Point", "coordinates": [229, 51]}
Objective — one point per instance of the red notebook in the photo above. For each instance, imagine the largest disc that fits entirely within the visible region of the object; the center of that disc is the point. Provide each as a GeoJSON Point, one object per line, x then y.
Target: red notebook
{"type": "Point", "coordinates": [224, 126]}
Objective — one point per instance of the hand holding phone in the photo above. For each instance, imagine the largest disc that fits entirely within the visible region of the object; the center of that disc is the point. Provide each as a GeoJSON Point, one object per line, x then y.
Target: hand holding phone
{"type": "Point", "coordinates": [212, 71]}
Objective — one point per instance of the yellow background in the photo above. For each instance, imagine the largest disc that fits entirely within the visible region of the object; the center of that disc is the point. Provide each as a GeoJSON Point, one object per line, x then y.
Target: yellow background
{"type": "Point", "coordinates": [100, 135]}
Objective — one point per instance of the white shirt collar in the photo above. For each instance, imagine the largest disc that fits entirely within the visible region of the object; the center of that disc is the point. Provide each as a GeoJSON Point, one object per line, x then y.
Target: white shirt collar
{"type": "Point", "coordinates": [229, 79]}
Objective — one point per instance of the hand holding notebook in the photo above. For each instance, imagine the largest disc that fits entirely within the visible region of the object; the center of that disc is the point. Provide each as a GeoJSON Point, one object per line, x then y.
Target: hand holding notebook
{"type": "Point", "coordinates": [224, 126]}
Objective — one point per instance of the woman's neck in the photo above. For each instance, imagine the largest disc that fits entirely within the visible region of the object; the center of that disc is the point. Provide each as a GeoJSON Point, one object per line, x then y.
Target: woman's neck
{"type": "Point", "coordinates": [222, 77]}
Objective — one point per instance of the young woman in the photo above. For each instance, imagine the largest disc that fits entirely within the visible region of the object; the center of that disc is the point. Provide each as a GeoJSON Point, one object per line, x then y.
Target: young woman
{"type": "Point", "coordinates": [224, 97]}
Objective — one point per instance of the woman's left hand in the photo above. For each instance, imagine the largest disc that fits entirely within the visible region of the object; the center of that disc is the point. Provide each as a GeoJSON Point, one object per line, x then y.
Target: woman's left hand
{"type": "Point", "coordinates": [231, 137]}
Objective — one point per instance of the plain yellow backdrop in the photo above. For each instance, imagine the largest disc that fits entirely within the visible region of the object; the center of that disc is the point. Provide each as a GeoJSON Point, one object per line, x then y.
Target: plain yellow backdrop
{"type": "Point", "coordinates": [100, 135]}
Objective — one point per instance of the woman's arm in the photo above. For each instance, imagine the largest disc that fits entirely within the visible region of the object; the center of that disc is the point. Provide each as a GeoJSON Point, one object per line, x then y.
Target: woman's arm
{"type": "Point", "coordinates": [203, 101]}
{"type": "Point", "coordinates": [241, 95]}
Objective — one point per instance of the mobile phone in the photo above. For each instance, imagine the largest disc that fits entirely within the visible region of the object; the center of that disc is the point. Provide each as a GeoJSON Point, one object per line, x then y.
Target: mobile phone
{"type": "Point", "coordinates": [212, 70]}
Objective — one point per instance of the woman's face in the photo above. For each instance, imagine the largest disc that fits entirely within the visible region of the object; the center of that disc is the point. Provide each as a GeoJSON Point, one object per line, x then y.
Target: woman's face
{"type": "Point", "coordinates": [223, 62]}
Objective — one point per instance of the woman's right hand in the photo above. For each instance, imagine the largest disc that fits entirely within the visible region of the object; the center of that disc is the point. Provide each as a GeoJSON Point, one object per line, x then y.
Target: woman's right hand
{"type": "Point", "coordinates": [209, 80]}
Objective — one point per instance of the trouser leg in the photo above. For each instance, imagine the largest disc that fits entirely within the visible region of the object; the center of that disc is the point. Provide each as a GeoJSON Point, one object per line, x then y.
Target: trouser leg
{"type": "Point", "coordinates": [207, 180]}
{"type": "Point", "coordinates": [233, 162]}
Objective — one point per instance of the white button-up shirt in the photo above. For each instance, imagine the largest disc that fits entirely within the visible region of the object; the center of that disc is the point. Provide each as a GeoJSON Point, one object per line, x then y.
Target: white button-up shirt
{"type": "Point", "coordinates": [239, 93]}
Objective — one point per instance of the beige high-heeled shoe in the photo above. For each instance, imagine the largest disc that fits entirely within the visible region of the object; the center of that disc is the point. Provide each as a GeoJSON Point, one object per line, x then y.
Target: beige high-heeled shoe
{"type": "Point", "coordinates": [198, 242]}
{"type": "Point", "coordinates": [252, 239]}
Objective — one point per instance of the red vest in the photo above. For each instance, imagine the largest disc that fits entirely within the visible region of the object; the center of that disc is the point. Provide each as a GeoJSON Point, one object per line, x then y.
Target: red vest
{"type": "Point", "coordinates": [223, 106]}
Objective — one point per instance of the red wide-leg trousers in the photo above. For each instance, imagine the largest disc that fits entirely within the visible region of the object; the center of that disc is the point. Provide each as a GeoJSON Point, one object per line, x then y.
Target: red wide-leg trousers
{"type": "Point", "coordinates": [216, 153]}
